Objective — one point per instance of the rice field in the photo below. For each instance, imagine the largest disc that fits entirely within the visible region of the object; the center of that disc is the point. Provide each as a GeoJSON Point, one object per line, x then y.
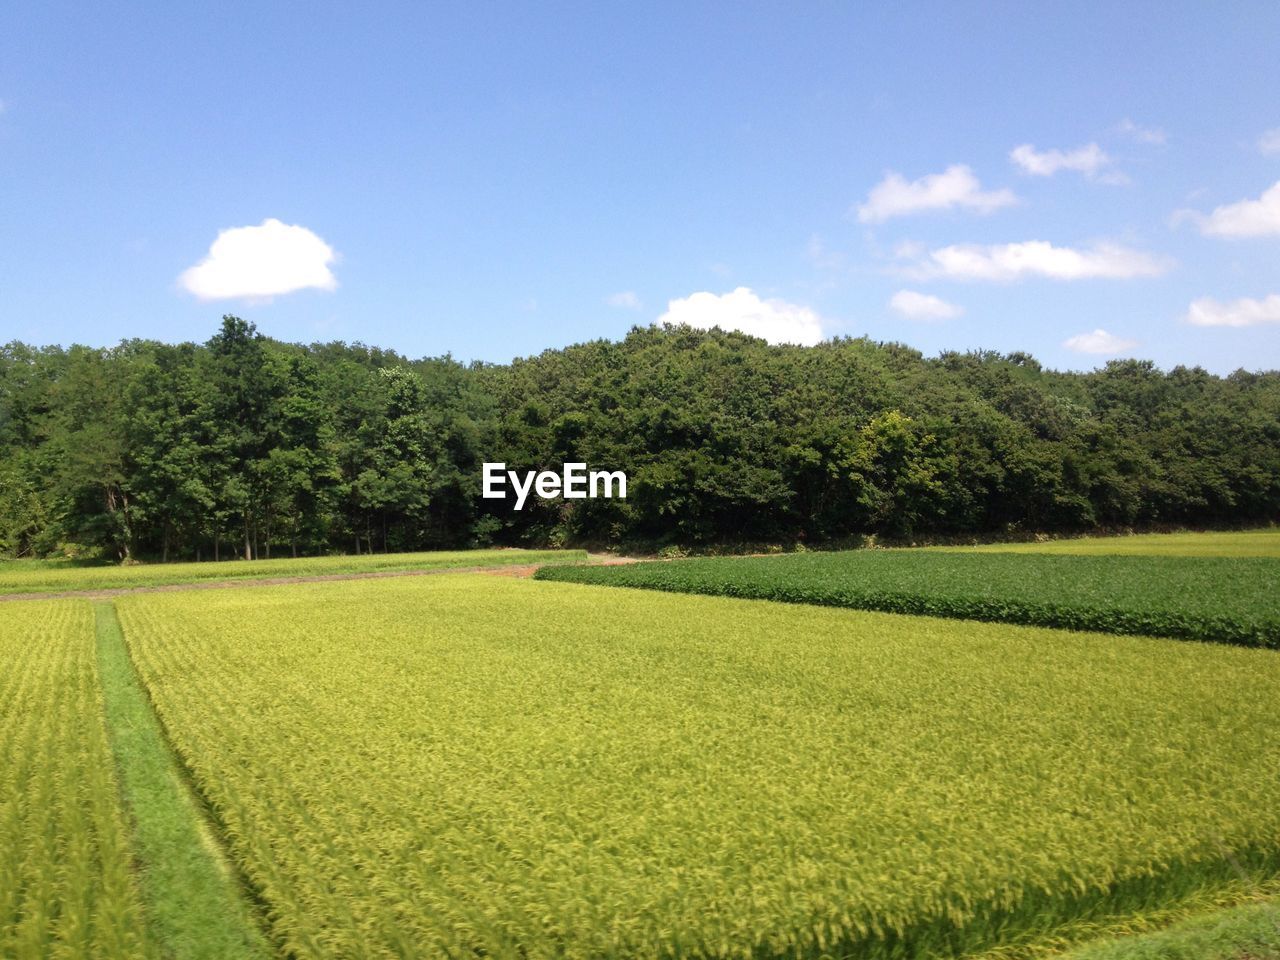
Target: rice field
{"type": "Point", "coordinates": [28, 576]}
{"type": "Point", "coordinates": [66, 883]}
{"type": "Point", "coordinates": [475, 765]}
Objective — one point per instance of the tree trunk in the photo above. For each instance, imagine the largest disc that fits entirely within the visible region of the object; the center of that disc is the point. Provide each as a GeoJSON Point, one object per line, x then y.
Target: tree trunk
{"type": "Point", "coordinates": [248, 545]}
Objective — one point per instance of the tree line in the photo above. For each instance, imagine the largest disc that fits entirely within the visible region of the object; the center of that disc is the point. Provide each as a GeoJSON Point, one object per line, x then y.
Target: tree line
{"type": "Point", "coordinates": [245, 446]}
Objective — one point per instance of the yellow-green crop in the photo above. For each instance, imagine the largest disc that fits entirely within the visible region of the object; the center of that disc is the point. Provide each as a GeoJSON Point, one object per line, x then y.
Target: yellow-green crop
{"type": "Point", "coordinates": [19, 576]}
{"type": "Point", "coordinates": [66, 888]}
{"type": "Point", "coordinates": [467, 764]}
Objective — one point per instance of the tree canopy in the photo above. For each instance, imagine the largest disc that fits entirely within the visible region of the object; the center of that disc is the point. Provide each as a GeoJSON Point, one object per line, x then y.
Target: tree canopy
{"type": "Point", "coordinates": [244, 445]}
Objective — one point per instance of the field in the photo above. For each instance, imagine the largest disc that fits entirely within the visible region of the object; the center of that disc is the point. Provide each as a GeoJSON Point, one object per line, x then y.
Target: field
{"type": "Point", "coordinates": [466, 764]}
{"type": "Point", "coordinates": [1244, 543]}
{"type": "Point", "coordinates": [1198, 598]}
{"type": "Point", "coordinates": [66, 882]}
{"type": "Point", "coordinates": [19, 576]}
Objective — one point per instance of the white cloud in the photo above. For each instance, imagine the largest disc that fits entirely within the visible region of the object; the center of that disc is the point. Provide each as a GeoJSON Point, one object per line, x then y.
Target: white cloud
{"type": "Point", "coordinates": [775, 320]}
{"type": "Point", "coordinates": [1245, 312]}
{"type": "Point", "coordinates": [923, 306]}
{"type": "Point", "coordinates": [1099, 341]}
{"type": "Point", "coordinates": [1248, 218]}
{"type": "Point", "coordinates": [625, 300]}
{"type": "Point", "coordinates": [1152, 135]}
{"type": "Point", "coordinates": [1037, 258]}
{"type": "Point", "coordinates": [260, 262]}
{"type": "Point", "coordinates": [954, 187]}
{"type": "Point", "coordinates": [1269, 143]}
{"type": "Point", "coordinates": [1088, 160]}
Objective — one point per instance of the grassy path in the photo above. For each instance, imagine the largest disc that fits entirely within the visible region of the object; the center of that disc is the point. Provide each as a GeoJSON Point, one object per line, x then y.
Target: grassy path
{"type": "Point", "coordinates": [1247, 932]}
{"type": "Point", "coordinates": [194, 901]}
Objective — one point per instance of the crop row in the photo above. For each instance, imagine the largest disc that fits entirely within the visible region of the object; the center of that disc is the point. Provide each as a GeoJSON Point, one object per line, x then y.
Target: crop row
{"type": "Point", "coordinates": [66, 888]}
{"type": "Point", "coordinates": [1223, 600]}
{"type": "Point", "coordinates": [478, 766]}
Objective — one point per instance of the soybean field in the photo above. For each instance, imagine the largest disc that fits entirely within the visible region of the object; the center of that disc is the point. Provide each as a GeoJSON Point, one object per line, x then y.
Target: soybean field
{"type": "Point", "coordinates": [1232, 600]}
{"type": "Point", "coordinates": [1234, 543]}
{"type": "Point", "coordinates": [468, 765]}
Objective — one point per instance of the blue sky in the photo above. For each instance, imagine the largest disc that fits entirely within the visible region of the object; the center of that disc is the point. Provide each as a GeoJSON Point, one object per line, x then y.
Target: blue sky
{"type": "Point", "coordinates": [491, 180]}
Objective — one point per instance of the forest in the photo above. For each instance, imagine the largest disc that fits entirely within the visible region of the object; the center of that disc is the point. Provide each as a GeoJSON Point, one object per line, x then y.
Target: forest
{"type": "Point", "coordinates": [245, 446]}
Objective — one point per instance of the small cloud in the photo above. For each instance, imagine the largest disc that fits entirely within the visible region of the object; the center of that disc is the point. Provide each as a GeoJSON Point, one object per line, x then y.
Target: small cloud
{"type": "Point", "coordinates": [1037, 258]}
{"type": "Point", "coordinates": [1245, 312]}
{"type": "Point", "coordinates": [909, 250]}
{"type": "Point", "coordinates": [923, 306]}
{"type": "Point", "coordinates": [954, 187]}
{"type": "Point", "coordinates": [1248, 218]}
{"type": "Point", "coordinates": [261, 262]}
{"type": "Point", "coordinates": [1269, 143]}
{"type": "Point", "coordinates": [774, 320]}
{"type": "Point", "coordinates": [625, 300]}
{"type": "Point", "coordinates": [1088, 160]}
{"type": "Point", "coordinates": [1151, 135]}
{"type": "Point", "coordinates": [1100, 342]}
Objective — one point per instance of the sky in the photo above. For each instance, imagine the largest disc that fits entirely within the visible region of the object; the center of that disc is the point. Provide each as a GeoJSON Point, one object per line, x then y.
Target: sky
{"type": "Point", "coordinates": [1078, 181]}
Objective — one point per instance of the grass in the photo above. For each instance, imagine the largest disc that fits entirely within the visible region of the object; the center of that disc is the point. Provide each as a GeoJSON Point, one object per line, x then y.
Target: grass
{"type": "Point", "coordinates": [66, 886]}
{"type": "Point", "coordinates": [1225, 600]}
{"type": "Point", "coordinates": [193, 901]}
{"type": "Point", "coordinates": [19, 576]}
{"type": "Point", "coordinates": [1246, 932]}
{"type": "Point", "coordinates": [461, 765]}
{"type": "Point", "coordinates": [1243, 543]}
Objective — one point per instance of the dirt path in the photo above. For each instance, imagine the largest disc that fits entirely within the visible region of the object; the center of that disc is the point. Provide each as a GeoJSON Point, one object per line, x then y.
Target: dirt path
{"type": "Point", "coordinates": [502, 570]}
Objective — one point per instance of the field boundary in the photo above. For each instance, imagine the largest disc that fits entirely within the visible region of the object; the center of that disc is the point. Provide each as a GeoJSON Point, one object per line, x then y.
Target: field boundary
{"type": "Point", "coordinates": [108, 593]}
{"type": "Point", "coordinates": [197, 905]}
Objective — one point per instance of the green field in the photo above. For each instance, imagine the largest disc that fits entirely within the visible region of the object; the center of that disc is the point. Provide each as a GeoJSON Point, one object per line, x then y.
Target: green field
{"type": "Point", "coordinates": [463, 765]}
{"type": "Point", "coordinates": [1243, 543]}
{"type": "Point", "coordinates": [34, 576]}
{"type": "Point", "coordinates": [66, 882]}
{"type": "Point", "coordinates": [1226, 600]}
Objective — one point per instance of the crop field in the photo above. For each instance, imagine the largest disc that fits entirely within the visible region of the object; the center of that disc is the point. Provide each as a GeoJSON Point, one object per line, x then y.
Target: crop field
{"type": "Point", "coordinates": [54, 576]}
{"type": "Point", "coordinates": [66, 887]}
{"type": "Point", "coordinates": [1242, 543]}
{"type": "Point", "coordinates": [467, 765]}
{"type": "Point", "coordinates": [1224, 600]}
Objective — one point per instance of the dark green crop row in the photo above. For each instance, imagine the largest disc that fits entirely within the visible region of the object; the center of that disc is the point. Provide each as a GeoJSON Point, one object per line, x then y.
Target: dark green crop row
{"type": "Point", "coordinates": [1221, 600]}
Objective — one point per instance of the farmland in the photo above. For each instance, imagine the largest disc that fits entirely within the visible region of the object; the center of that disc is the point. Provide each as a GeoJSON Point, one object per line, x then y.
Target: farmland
{"type": "Point", "coordinates": [66, 884]}
{"type": "Point", "coordinates": [468, 764]}
{"type": "Point", "coordinates": [54, 576]}
{"type": "Point", "coordinates": [1221, 599]}
{"type": "Point", "coordinates": [1240, 543]}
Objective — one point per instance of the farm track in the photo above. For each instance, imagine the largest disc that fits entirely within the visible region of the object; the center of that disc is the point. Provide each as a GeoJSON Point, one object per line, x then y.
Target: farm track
{"type": "Point", "coordinates": [507, 570]}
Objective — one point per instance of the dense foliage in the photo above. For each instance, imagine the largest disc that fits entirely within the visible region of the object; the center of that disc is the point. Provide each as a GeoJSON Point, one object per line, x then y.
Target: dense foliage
{"type": "Point", "coordinates": [1215, 599]}
{"type": "Point", "coordinates": [524, 769]}
{"type": "Point", "coordinates": [245, 446]}
{"type": "Point", "coordinates": [66, 870]}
